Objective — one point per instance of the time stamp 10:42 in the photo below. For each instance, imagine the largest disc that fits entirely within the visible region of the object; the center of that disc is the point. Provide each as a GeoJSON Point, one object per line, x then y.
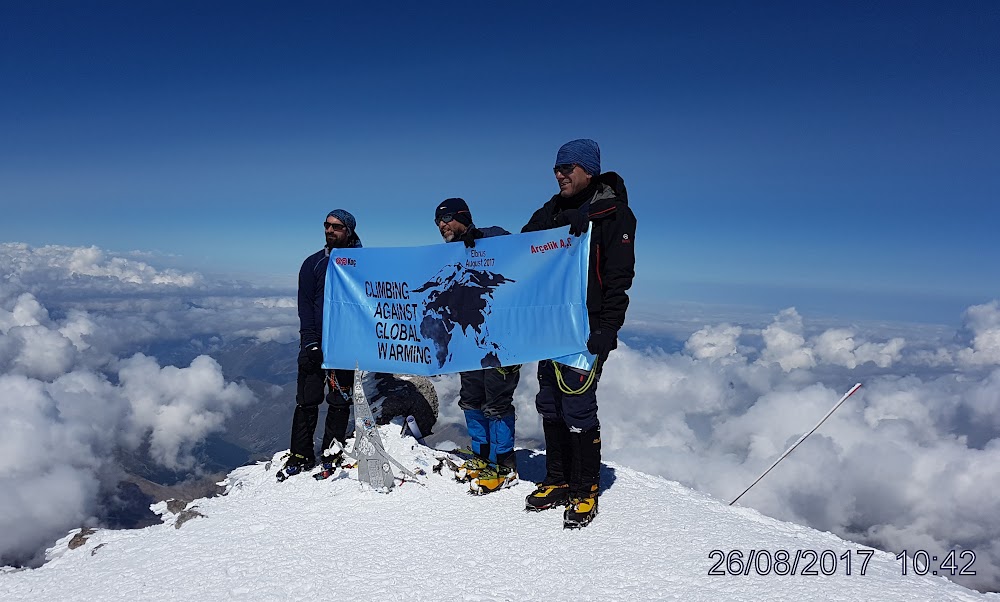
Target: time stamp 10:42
{"type": "Point", "coordinates": [827, 562]}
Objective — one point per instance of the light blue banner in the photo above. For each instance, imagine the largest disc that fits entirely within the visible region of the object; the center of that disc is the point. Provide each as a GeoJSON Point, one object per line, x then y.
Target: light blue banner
{"type": "Point", "coordinates": [445, 308]}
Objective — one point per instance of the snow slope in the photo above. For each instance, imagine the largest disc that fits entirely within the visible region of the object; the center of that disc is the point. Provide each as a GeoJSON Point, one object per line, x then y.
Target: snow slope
{"type": "Point", "coordinates": [322, 540]}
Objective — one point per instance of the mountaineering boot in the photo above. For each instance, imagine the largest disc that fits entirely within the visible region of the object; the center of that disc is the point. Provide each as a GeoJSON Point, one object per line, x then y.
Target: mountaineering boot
{"type": "Point", "coordinates": [554, 490]}
{"type": "Point", "coordinates": [586, 450]}
{"type": "Point", "coordinates": [581, 510]}
{"type": "Point", "coordinates": [295, 464]}
{"type": "Point", "coordinates": [493, 478]}
{"type": "Point", "coordinates": [333, 456]}
{"type": "Point", "coordinates": [472, 467]}
{"type": "Point", "coordinates": [507, 459]}
{"type": "Point", "coordinates": [460, 462]}
{"type": "Point", "coordinates": [330, 461]}
{"type": "Point", "coordinates": [479, 442]}
{"type": "Point", "coordinates": [501, 467]}
{"type": "Point", "coordinates": [547, 496]}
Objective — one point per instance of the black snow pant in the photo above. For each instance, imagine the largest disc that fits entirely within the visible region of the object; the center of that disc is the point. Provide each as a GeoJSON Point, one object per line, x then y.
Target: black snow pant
{"type": "Point", "coordinates": [572, 431]}
{"type": "Point", "coordinates": [488, 391]}
{"type": "Point", "coordinates": [311, 386]}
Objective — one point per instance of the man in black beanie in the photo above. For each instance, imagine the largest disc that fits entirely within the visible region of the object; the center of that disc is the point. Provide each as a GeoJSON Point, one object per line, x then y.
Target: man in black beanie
{"type": "Point", "coordinates": [567, 397]}
{"type": "Point", "coordinates": [454, 222]}
{"type": "Point", "coordinates": [486, 396]}
{"type": "Point", "coordinates": [313, 381]}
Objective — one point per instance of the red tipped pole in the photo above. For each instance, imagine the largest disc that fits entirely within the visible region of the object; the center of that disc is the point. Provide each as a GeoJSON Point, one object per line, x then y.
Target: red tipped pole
{"type": "Point", "coordinates": [801, 439]}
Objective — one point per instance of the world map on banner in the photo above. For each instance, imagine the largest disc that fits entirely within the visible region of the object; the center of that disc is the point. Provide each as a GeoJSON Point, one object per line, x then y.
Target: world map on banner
{"type": "Point", "coordinates": [510, 300]}
{"type": "Point", "coordinates": [461, 299]}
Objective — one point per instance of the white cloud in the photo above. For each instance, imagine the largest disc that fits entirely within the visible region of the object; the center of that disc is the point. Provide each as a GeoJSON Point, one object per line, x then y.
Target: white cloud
{"type": "Point", "coordinates": [78, 327]}
{"type": "Point", "coordinates": [287, 334]}
{"type": "Point", "coordinates": [883, 355]}
{"type": "Point", "coordinates": [983, 321]}
{"type": "Point", "coordinates": [38, 509]}
{"type": "Point", "coordinates": [179, 407]}
{"type": "Point", "coordinates": [57, 439]}
{"type": "Point", "coordinates": [714, 342]}
{"type": "Point", "coordinates": [69, 402]}
{"type": "Point", "coordinates": [836, 346]}
{"type": "Point", "coordinates": [884, 469]}
{"type": "Point", "coordinates": [277, 302]}
{"type": "Point", "coordinates": [30, 268]}
{"type": "Point", "coordinates": [784, 343]}
{"type": "Point", "coordinates": [26, 311]}
{"type": "Point", "coordinates": [41, 353]}
{"type": "Point", "coordinates": [92, 261]}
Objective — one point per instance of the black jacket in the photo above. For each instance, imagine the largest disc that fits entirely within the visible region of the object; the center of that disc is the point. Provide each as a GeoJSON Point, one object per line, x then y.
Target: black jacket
{"type": "Point", "coordinates": [612, 245]}
{"type": "Point", "coordinates": [491, 231]}
{"type": "Point", "coordinates": [312, 283]}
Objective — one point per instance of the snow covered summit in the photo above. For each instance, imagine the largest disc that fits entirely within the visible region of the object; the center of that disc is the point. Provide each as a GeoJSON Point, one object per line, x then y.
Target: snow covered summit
{"type": "Point", "coordinates": [335, 539]}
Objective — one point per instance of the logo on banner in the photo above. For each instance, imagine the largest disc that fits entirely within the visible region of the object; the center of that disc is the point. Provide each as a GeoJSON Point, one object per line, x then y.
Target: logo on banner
{"type": "Point", "coordinates": [346, 261]}
{"type": "Point", "coordinates": [562, 243]}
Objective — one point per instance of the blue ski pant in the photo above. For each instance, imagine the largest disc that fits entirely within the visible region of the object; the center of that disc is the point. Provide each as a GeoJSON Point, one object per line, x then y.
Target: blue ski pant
{"type": "Point", "coordinates": [487, 397]}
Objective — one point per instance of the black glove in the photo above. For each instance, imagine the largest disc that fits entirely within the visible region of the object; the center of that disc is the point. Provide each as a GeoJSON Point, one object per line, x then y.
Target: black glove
{"type": "Point", "coordinates": [311, 358]}
{"type": "Point", "coordinates": [470, 236]}
{"type": "Point", "coordinates": [601, 342]}
{"type": "Point", "coordinates": [578, 221]}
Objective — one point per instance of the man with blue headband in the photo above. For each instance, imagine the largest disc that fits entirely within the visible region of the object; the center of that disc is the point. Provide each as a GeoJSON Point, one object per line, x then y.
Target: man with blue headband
{"type": "Point", "coordinates": [567, 398]}
{"type": "Point", "coordinates": [313, 381]}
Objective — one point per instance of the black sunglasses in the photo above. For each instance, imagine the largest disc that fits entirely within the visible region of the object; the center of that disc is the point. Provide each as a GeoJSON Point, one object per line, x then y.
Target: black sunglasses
{"type": "Point", "coordinates": [444, 218]}
{"type": "Point", "coordinates": [334, 227]}
{"type": "Point", "coordinates": [564, 168]}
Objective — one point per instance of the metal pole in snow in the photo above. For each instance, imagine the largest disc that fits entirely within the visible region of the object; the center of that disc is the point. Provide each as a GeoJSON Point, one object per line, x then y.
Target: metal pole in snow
{"type": "Point", "coordinates": [801, 439]}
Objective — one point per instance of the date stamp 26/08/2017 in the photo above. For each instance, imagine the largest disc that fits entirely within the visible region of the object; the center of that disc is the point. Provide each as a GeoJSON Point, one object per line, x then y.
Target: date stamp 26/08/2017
{"type": "Point", "coordinates": [828, 562]}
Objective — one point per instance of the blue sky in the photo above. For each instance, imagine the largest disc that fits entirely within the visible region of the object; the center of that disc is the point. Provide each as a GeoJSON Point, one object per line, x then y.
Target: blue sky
{"type": "Point", "coordinates": [835, 156]}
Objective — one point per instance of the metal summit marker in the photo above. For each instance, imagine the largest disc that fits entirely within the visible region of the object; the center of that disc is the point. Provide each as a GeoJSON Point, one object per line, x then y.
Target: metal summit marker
{"type": "Point", "coordinates": [374, 463]}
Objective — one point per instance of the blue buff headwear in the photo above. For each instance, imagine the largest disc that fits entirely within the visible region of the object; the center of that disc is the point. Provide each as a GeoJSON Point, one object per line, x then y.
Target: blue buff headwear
{"type": "Point", "coordinates": [584, 152]}
{"type": "Point", "coordinates": [345, 218]}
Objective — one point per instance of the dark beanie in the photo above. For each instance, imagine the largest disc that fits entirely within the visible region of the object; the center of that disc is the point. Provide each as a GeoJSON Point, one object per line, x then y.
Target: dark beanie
{"type": "Point", "coordinates": [457, 207]}
{"type": "Point", "coordinates": [345, 218]}
{"type": "Point", "coordinates": [584, 152]}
